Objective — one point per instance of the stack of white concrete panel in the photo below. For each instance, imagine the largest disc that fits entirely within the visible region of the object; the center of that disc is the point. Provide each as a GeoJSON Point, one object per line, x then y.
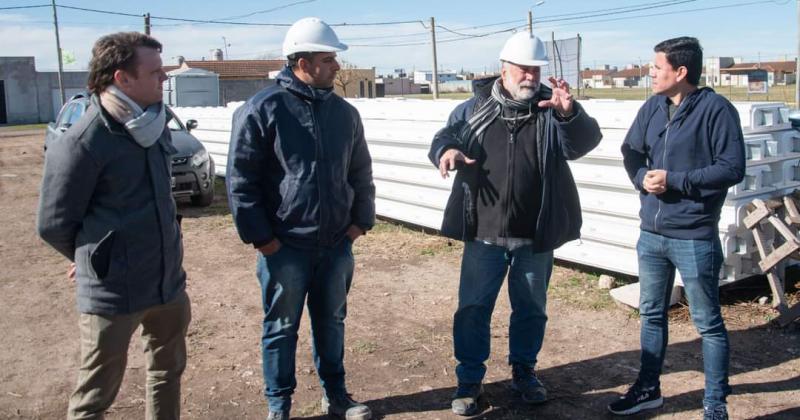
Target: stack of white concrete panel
{"type": "Point", "coordinates": [410, 189]}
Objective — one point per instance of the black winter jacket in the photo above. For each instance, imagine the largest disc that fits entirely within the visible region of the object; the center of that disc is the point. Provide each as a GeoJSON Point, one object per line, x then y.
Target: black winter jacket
{"type": "Point", "coordinates": [559, 218]}
{"type": "Point", "coordinates": [298, 166]}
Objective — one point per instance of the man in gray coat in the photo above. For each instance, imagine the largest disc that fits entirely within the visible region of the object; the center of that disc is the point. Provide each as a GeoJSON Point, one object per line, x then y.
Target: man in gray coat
{"type": "Point", "coordinates": [106, 205]}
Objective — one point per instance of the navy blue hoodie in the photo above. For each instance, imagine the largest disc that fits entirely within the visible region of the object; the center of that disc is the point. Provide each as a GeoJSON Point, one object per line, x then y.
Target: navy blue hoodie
{"type": "Point", "coordinates": [702, 150]}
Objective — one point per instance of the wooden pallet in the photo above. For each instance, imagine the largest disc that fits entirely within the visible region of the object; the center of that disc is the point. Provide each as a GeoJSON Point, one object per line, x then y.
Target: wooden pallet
{"type": "Point", "coordinates": [773, 258]}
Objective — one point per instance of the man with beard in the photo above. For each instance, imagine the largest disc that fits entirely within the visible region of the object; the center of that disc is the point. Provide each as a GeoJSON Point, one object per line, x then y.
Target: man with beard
{"type": "Point", "coordinates": [300, 188]}
{"type": "Point", "coordinates": [513, 202]}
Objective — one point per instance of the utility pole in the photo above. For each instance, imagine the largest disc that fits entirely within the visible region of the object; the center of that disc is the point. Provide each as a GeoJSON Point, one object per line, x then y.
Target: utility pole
{"type": "Point", "coordinates": [580, 79]}
{"type": "Point", "coordinates": [530, 21]}
{"type": "Point", "coordinates": [147, 23]}
{"type": "Point", "coordinates": [225, 43]}
{"type": "Point", "coordinates": [60, 62]}
{"type": "Point", "coordinates": [435, 81]}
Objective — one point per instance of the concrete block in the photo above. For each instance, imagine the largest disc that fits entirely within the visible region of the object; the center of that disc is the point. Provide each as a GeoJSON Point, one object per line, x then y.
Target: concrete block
{"type": "Point", "coordinates": [628, 295]}
{"type": "Point", "coordinates": [605, 282]}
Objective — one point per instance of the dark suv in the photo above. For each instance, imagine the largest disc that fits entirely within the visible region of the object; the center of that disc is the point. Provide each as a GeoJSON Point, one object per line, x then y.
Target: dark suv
{"type": "Point", "coordinates": [192, 167]}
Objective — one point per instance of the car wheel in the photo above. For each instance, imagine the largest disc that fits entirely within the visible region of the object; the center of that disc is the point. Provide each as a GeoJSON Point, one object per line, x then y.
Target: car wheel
{"type": "Point", "coordinates": [204, 199]}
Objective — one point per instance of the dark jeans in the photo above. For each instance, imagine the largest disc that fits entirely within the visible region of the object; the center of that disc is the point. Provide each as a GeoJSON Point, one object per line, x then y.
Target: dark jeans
{"type": "Point", "coordinates": [288, 278]}
{"type": "Point", "coordinates": [699, 262]}
{"type": "Point", "coordinates": [483, 268]}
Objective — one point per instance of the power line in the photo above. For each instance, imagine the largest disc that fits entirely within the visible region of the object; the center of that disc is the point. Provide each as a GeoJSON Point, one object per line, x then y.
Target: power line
{"type": "Point", "coordinates": [24, 7]}
{"type": "Point", "coordinates": [285, 6]}
{"type": "Point", "coordinates": [700, 9]}
{"type": "Point", "coordinates": [222, 22]}
{"type": "Point", "coordinates": [464, 36]}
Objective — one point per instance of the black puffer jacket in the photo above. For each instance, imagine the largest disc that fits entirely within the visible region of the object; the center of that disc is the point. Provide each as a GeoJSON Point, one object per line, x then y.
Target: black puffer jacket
{"type": "Point", "coordinates": [298, 166]}
{"type": "Point", "coordinates": [559, 218]}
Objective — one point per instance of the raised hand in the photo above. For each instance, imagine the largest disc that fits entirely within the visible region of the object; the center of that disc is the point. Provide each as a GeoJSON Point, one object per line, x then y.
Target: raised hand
{"type": "Point", "coordinates": [561, 100]}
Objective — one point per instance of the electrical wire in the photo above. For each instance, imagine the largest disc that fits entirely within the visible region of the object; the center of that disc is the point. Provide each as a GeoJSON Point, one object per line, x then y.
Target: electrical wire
{"type": "Point", "coordinates": [25, 7]}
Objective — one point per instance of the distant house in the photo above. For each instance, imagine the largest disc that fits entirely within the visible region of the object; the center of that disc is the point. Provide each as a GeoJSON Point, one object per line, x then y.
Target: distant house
{"type": "Point", "coordinates": [631, 76]}
{"type": "Point", "coordinates": [778, 73]}
{"type": "Point", "coordinates": [389, 86]}
{"type": "Point", "coordinates": [596, 78]}
{"type": "Point", "coordinates": [355, 83]}
{"type": "Point", "coordinates": [238, 79]}
{"type": "Point", "coordinates": [425, 77]}
{"type": "Point", "coordinates": [30, 96]}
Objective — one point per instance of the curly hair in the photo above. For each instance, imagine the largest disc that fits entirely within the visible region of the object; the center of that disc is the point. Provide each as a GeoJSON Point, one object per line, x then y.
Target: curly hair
{"type": "Point", "coordinates": [116, 52]}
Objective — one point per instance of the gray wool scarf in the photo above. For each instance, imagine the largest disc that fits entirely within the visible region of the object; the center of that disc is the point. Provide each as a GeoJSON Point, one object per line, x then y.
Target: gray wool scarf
{"type": "Point", "coordinates": [493, 108]}
{"type": "Point", "coordinates": [144, 125]}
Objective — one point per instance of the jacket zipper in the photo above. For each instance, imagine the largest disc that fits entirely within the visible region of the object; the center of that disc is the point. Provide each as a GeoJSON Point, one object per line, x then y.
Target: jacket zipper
{"type": "Point", "coordinates": [318, 159]}
{"type": "Point", "coordinates": [663, 166]}
{"type": "Point", "coordinates": [509, 182]}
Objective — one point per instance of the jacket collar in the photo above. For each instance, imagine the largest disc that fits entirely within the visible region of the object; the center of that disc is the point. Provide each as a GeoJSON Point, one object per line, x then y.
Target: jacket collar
{"type": "Point", "coordinates": [687, 105]}
{"type": "Point", "coordinates": [290, 82]}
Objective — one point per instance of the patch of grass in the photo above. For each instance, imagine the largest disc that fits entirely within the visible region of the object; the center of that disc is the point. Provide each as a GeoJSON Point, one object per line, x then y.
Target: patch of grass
{"type": "Point", "coordinates": [364, 347]}
{"type": "Point", "coordinates": [580, 289]}
{"type": "Point", "coordinates": [21, 127]}
{"type": "Point", "coordinates": [776, 93]}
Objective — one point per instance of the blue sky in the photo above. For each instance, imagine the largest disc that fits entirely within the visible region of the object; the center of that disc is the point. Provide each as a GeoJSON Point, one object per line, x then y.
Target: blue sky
{"type": "Point", "coordinates": [765, 29]}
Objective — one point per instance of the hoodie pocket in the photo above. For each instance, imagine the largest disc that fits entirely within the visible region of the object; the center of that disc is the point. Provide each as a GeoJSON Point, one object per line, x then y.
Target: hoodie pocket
{"type": "Point", "coordinates": [100, 257]}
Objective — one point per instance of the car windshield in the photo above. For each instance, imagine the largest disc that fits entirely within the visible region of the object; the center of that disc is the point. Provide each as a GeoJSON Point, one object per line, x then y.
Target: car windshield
{"type": "Point", "coordinates": [75, 115]}
{"type": "Point", "coordinates": [174, 123]}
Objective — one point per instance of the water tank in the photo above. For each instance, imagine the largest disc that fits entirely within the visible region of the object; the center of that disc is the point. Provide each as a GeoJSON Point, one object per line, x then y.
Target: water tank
{"type": "Point", "coordinates": [218, 55]}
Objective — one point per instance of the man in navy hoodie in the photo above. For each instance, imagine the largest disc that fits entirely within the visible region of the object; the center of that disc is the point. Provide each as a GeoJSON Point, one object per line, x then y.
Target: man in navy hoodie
{"type": "Point", "coordinates": [683, 152]}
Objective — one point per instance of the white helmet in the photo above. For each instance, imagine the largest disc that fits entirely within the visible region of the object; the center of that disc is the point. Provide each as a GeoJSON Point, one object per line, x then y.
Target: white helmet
{"type": "Point", "coordinates": [525, 49]}
{"type": "Point", "coordinates": [311, 35]}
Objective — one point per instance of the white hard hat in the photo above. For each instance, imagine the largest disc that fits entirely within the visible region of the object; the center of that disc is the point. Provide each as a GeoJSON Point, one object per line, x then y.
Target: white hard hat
{"type": "Point", "coordinates": [525, 49]}
{"type": "Point", "coordinates": [311, 35]}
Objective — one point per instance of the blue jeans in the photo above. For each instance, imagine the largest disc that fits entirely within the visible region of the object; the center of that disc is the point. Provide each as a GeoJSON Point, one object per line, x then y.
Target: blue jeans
{"type": "Point", "coordinates": [288, 277]}
{"type": "Point", "coordinates": [699, 262]}
{"type": "Point", "coordinates": [483, 268]}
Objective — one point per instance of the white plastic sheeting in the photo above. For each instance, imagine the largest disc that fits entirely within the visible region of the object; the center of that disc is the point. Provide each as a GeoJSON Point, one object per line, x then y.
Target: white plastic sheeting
{"type": "Point", "coordinates": [410, 189]}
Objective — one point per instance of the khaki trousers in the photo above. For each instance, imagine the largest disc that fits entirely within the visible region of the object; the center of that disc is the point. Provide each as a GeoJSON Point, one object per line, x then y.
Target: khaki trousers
{"type": "Point", "coordinates": [104, 355]}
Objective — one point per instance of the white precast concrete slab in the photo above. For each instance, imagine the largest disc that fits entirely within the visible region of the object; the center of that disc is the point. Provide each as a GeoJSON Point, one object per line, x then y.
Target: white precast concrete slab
{"type": "Point", "coordinates": [410, 189]}
{"type": "Point", "coordinates": [401, 109]}
{"type": "Point", "coordinates": [601, 255]}
{"type": "Point", "coordinates": [610, 146]}
{"type": "Point", "coordinates": [588, 173]}
{"type": "Point", "coordinates": [418, 132]}
{"type": "Point", "coordinates": [409, 213]}
{"type": "Point", "coordinates": [415, 175]}
{"type": "Point", "coordinates": [612, 201]}
{"type": "Point", "coordinates": [619, 231]}
{"type": "Point", "coordinates": [612, 113]}
{"type": "Point", "coordinates": [418, 195]}
{"type": "Point", "coordinates": [400, 153]}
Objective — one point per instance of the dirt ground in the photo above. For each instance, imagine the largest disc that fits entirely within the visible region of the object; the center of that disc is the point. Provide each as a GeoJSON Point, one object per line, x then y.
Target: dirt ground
{"type": "Point", "coordinates": [399, 345]}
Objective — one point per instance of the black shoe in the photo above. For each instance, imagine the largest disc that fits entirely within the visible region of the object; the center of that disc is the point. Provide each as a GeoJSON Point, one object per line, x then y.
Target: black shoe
{"type": "Point", "coordinates": [342, 406]}
{"type": "Point", "coordinates": [637, 399]}
{"type": "Point", "coordinates": [465, 399]}
{"type": "Point", "coordinates": [715, 412]}
{"type": "Point", "coordinates": [524, 381]}
{"type": "Point", "coordinates": [278, 415]}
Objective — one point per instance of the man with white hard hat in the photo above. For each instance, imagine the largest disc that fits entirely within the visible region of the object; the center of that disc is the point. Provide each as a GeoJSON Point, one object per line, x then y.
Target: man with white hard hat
{"type": "Point", "coordinates": [299, 180]}
{"type": "Point", "coordinates": [513, 202]}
